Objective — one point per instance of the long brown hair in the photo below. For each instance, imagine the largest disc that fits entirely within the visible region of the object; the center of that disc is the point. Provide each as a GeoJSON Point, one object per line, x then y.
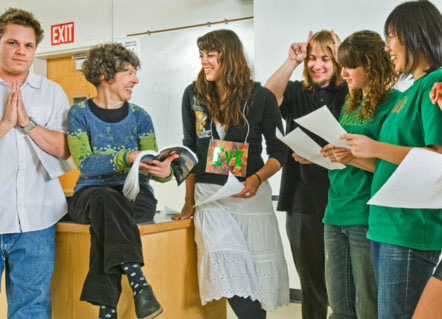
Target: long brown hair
{"type": "Point", "coordinates": [235, 76]}
{"type": "Point", "coordinates": [366, 49]}
{"type": "Point", "coordinates": [324, 40]}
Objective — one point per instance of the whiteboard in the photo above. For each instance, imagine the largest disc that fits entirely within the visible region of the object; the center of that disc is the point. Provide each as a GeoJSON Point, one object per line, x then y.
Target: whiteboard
{"type": "Point", "coordinates": [169, 63]}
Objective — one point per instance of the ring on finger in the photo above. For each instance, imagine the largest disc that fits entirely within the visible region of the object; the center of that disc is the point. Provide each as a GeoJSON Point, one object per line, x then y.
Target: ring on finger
{"type": "Point", "coordinates": [247, 194]}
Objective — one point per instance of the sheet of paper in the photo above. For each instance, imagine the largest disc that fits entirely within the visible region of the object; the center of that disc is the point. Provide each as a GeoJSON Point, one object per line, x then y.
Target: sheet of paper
{"type": "Point", "coordinates": [170, 211]}
{"type": "Point", "coordinates": [323, 123]}
{"type": "Point", "coordinates": [131, 186]}
{"type": "Point", "coordinates": [53, 165]}
{"type": "Point", "coordinates": [416, 183]}
{"type": "Point", "coordinates": [231, 187]}
{"type": "Point", "coordinates": [304, 146]}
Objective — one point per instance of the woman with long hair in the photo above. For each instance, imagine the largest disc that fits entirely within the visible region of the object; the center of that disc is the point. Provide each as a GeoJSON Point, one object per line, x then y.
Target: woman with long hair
{"type": "Point", "coordinates": [349, 276]}
{"type": "Point", "coordinates": [406, 243]}
{"type": "Point", "coordinates": [240, 254]}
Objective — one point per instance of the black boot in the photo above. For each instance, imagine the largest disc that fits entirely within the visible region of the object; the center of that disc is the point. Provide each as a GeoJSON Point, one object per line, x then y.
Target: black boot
{"type": "Point", "coordinates": [146, 305]}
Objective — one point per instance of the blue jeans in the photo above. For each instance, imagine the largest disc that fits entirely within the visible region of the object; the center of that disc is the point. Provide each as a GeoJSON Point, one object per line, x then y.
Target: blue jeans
{"type": "Point", "coordinates": [28, 260]}
{"type": "Point", "coordinates": [349, 274]}
{"type": "Point", "coordinates": [401, 274]}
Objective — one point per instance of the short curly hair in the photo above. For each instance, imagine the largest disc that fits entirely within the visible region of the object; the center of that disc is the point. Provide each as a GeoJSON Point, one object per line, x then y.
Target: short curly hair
{"type": "Point", "coordinates": [23, 18]}
{"type": "Point", "coordinates": [106, 60]}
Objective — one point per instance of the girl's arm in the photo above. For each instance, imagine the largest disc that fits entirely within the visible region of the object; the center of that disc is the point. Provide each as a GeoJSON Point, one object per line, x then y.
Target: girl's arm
{"type": "Point", "coordinates": [365, 147]}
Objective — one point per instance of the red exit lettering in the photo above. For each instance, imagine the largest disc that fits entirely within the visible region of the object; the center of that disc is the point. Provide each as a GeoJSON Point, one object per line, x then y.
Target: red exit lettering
{"type": "Point", "coordinates": [62, 33]}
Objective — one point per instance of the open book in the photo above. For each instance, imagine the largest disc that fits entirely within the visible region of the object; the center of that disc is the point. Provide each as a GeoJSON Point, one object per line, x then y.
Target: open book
{"type": "Point", "coordinates": [181, 167]}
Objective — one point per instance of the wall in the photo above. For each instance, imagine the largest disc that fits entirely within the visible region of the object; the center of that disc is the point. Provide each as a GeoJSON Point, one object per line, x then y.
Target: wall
{"type": "Point", "coordinates": [292, 20]}
{"type": "Point", "coordinates": [100, 21]}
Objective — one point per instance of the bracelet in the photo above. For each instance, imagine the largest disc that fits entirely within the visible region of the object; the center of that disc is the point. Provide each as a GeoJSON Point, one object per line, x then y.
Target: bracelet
{"type": "Point", "coordinates": [259, 178]}
{"type": "Point", "coordinates": [30, 126]}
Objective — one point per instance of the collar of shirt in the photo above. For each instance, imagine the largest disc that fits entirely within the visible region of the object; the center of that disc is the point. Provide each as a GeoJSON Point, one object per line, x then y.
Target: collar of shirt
{"type": "Point", "coordinates": [330, 88]}
{"type": "Point", "coordinates": [31, 79]}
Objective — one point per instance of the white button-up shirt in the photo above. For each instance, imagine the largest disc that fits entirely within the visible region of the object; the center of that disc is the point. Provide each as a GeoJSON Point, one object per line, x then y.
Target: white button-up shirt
{"type": "Point", "coordinates": [29, 199]}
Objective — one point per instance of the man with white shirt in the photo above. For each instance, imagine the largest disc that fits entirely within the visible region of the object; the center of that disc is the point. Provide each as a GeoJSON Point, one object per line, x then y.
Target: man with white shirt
{"type": "Point", "coordinates": [32, 128]}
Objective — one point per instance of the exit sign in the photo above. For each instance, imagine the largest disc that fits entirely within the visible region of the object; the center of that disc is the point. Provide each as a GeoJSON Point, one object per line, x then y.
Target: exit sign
{"type": "Point", "coordinates": [62, 33]}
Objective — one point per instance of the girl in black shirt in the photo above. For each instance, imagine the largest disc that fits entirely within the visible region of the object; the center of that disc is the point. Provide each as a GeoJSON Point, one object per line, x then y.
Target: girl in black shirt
{"type": "Point", "coordinates": [240, 254]}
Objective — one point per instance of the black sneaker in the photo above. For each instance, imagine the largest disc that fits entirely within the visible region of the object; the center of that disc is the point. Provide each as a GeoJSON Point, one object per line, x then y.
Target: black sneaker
{"type": "Point", "coordinates": [146, 305]}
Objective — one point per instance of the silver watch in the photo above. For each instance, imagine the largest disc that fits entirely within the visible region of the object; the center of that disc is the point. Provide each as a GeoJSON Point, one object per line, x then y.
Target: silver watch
{"type": "Point", "coordinates": [31, 125]}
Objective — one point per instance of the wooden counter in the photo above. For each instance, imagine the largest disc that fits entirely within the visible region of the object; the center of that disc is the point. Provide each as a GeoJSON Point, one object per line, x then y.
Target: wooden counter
{"type": "Point", "coordinates": [170, 267]}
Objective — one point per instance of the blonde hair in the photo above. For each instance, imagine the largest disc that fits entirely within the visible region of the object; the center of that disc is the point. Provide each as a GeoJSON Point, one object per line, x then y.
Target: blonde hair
{"type": "Point", "coordinates": [323, 39]}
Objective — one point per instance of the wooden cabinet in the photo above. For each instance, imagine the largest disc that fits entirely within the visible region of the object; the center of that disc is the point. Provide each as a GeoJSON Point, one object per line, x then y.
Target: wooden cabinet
{"type": "Point", "coordinates": [170, 260]}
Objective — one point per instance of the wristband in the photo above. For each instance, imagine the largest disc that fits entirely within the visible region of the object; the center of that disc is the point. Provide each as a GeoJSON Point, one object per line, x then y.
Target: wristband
{"type": "Point", "coordinates": [259, 178]}
{"type": "Point", "coordinates": [31, 125]}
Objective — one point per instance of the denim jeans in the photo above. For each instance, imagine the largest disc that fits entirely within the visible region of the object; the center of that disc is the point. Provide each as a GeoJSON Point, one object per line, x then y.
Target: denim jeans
{"type": "Point", "coordinates": [349, 274]}
{"type": "Point", "coordinates": [28, 260]}
{"type": "Point", "coordinates": [401, 274]}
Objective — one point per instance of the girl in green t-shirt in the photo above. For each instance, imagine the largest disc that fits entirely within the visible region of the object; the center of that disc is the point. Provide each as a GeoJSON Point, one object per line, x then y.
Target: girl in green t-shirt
{"type": "Point", "coordinates": [406, 243]}
{"type": "Point", "coordinates": [350, 279]}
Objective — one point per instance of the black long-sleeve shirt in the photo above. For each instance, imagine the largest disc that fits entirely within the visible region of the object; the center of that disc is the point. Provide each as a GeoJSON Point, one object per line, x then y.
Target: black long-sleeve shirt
{"type": "Point", "coordinates": [263, 117]}
{"type": "Point", "coordinates": [304, 188]}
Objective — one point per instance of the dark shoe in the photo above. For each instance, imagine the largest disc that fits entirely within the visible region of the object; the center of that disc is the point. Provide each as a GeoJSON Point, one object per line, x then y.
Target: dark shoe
{"type": "Point", "coordinates": [146, 305]}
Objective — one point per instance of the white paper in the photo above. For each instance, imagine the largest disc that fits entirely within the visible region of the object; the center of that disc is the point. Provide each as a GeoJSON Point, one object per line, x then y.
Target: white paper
{"type": "Point", "coordinates": [53, 165]}
{"type": "Point", "coordinates": [131, 186]}
{"type": "Point", "coordinates": [170, 211]}
{"type": "Point", "coordinates": [304, 146]}
{"type": "Point", "coordinates": [231, 187]}
{"type": "Point", "coordinates": [416, 183]}
{"type": "Point", "coordinates": [323, 123]}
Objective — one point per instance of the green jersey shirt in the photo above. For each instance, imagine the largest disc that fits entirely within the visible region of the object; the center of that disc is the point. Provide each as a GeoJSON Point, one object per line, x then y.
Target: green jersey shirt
{"type": "Point", "coordinates": [414, 121]}
{"type": "Point", "coordinates": [350, 187]}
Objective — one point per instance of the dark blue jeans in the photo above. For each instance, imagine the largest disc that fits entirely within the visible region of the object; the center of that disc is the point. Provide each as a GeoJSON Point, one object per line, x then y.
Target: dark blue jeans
{"type": "Point", "coordinates": [401, 274]}
{"type": "Point", "coordinates": [28, 261]}
{"type": "Point", "coordinates": [349, 274]}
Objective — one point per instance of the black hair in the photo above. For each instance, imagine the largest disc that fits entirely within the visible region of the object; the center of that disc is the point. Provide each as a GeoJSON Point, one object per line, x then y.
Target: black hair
{"type": "Point", "coordinates": [418, 26]}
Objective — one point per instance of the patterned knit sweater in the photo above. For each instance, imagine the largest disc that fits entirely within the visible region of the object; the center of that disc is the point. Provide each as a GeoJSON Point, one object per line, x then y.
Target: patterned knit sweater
{"type": "Point", "coordinates": [100, 149]}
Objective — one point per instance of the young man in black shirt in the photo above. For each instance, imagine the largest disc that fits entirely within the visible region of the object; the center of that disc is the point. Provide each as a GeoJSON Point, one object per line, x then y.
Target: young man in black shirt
{"type": "Point", "coordinates": [304, 186]}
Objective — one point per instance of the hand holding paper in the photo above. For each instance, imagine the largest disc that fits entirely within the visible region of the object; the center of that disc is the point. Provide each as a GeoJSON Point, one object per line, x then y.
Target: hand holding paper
{"type": "Point", "coordinates": [231, 187]}
{"type": "Point", "coordinates": [301, 160]}
{"type": "Point", "coordinates": [337, 154]}
{"type": "Point", "coordinates": [360, 145]}
{"type": "Point", "coordinates": [304, 146]}
{"type": "Point", "coordinates": [323, 123]}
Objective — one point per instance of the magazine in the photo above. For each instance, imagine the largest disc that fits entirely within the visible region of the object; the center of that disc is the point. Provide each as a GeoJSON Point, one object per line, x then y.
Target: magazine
{"type": "Point", "coordinates": [181, 167]}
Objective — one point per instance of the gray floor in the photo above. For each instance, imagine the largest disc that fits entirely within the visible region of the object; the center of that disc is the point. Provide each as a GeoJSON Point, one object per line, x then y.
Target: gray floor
{"type": "Point", "coordinates": [292, 311]}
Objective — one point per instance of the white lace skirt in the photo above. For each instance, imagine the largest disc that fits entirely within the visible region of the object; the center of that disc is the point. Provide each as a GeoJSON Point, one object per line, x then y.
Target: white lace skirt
{"type": "Point", "coordinates": [239, 249]}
